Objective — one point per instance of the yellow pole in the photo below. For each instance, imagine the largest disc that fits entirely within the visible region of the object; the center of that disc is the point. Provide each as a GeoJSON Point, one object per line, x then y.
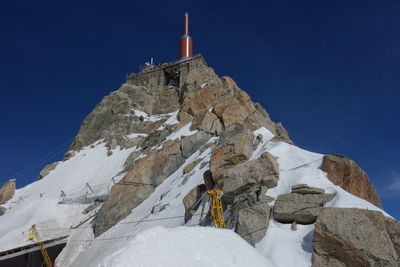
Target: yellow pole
{"type": "Point", "coordinates": [40, 243]}
{"type": "Point", "coordinates": [216, 209]}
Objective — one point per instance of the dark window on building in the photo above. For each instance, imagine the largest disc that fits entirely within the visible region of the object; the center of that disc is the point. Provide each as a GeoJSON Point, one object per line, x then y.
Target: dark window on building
{"type": "Point", "coordinates": [172, 77]}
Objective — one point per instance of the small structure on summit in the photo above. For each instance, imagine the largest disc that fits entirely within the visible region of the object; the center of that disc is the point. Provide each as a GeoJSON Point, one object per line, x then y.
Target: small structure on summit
{"type": "Point", "coordinates": [171, 74]}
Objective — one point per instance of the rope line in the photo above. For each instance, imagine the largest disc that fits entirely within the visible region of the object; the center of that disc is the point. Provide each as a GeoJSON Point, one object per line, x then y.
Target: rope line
{"type": "Point", "coordinates": [38, 163]}
{"type": "Point", "coordinates": [302, 165]}
{"type": "Point", "coordinates": [121, 223]}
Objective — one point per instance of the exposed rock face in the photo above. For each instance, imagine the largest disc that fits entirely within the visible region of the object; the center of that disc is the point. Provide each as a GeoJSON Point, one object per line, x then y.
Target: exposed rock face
{"type": "Point", "coordinates": [354, 237]}
{"type": "Point", "coordinates": [191, 144]}
{"type": "Point", "coordinates": [191, 166]}
{"type": "Point", "coordinates": [2, 211]}
{"type": "Point", "coordinates": [147, 173]}
{"type": "Point", "coordinates": [7, 191]}
{"type": "Point", "coordinates": [69, 154]}
{"type": "Point", "coordinates": [113, 118]}
{"type": "Point", "coordinates": [393, 229]}
{"type": "Point", "coordinates": [192, 201]}
{"type": "Point", "coordinates": [47, 169]}
{"type": "Point", "coordinates": [214, 106]}
{"type": "Point", "coordinates": [281, 134]}
{"type": "Point", "coordinates": [301, 207]}
{"type": "Point", "coordinates": [345, 173]}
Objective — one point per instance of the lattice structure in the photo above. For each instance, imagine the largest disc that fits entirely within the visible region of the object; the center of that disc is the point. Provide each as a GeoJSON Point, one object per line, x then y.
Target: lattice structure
{"type": "Point", "coordinates": [87, 194]}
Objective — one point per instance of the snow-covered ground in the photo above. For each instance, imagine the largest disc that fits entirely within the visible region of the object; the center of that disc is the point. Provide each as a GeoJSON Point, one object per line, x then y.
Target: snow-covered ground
{"type": "Point", "coordinates": [37, 203]}
{"type": "Point", "coordinates": [176, 247]}
{"type": "Point", "coordinates": [152, 234]}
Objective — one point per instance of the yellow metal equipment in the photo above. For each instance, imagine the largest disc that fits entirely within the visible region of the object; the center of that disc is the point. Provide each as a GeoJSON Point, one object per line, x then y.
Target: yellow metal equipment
{"type": "Point", "coordinates": [35, 234]}
{"type": "Point", "coordinates": [216, 210]}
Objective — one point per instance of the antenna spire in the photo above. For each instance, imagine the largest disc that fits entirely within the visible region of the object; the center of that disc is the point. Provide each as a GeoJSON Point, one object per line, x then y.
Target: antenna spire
{"type": "Point", "coordinates": [185, 43]}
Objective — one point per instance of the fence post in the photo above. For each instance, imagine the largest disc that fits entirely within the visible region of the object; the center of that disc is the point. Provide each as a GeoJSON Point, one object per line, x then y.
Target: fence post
{"type": "Point", "coordinates": [87, 184]}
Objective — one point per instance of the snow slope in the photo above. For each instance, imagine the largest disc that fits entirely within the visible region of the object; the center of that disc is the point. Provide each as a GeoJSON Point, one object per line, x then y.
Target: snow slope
{"type": "Point", "coordinates": [139, 235]}
{"type": "Point", "coordinates": [37, 203]}
{"type": "Point", "coordinates": [175, 247]}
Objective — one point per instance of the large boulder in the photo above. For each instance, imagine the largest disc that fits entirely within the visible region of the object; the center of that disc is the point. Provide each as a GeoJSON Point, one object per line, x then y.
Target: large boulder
{"type": "Point", "coordinates": [248, 213]}
{"type": "Point", "coordinates": [252, 222]}
{"type": "Point", "coordinates": [345, 173]}
{"type": "Point", "coordinates": [237, 149]}
{"type": "Point", "coordinates": [7, 191]}
{"type": "Point", "coordinates": [301, 207]}
{"type": "Point", "coordinates": [47, 169]}
{"type": "Point", "coordinates": [353, 237]}
{"type": "Point", "coordinates": [244, 175]}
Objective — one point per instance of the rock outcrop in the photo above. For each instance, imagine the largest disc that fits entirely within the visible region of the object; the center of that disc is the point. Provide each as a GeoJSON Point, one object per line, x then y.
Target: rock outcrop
{"type": "Point", "coordinates": [192, 201]}
{"type": "Point", "coordinates": [355, 237]}
{"type": "Point", "coordinates": [345, 173]}
{"type": "Point", "coordinates": [237, 149]}
{"type": "Point", "coordinates": [7, 191]}
{"type": "Point", "coordinates": [2, 211]}
{"type": "Point", "coordinates": [301, 206]}
{"type": "Point", "coordinates": [114, 117]}
{"type": "Point", "coordinates": [252, 222]}
{"type": "Point", "coordinates": [47, 169]}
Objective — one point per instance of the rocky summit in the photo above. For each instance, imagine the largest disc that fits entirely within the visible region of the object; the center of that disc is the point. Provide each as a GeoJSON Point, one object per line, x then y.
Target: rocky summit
{"type": "Point", "coordinates": [209, 106]}
{"type": "Point", "coordinates": [144, 158]}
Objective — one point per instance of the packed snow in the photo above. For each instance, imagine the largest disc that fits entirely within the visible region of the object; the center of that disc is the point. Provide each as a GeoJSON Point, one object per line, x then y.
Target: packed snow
{"type": "Point", "coordinates": [186, 246]}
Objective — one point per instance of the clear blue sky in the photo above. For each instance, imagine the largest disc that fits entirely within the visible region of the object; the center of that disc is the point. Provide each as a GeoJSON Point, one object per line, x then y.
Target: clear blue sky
{"type": "Point", "coordinates": [329, 70]}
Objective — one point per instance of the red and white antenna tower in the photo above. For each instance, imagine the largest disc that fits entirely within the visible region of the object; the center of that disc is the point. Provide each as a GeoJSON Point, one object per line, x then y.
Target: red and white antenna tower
{"type": "Point", "coordinates": [185, 43]}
